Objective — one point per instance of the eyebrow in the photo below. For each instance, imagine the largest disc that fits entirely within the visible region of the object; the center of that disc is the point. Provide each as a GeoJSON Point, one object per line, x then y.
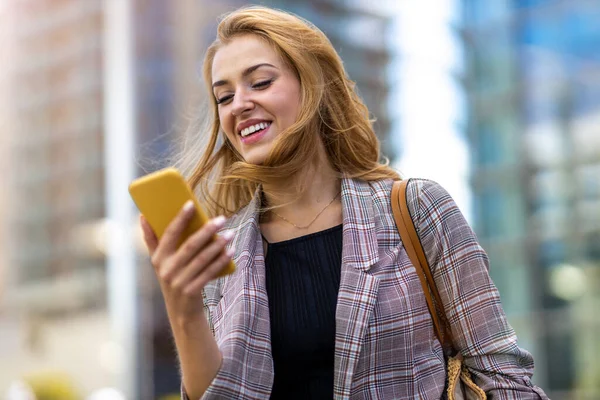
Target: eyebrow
{"type": "Point", "coordinates": [245, 73]}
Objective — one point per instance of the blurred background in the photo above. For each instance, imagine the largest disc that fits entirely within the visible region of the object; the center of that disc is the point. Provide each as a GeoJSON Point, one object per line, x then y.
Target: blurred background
{"type": "Point", "coordinates": [497, 100]}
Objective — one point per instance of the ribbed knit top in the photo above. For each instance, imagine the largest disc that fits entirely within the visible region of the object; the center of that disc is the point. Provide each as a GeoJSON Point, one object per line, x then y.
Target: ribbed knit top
{"type": "Point", "coordinates": [303, 279]}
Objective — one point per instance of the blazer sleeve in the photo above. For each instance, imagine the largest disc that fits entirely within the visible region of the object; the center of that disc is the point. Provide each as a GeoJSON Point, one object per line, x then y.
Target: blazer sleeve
{"type": "Point", "coordinates": [210, 295]}
{"type": "Point", "coordinates": [470, 299]}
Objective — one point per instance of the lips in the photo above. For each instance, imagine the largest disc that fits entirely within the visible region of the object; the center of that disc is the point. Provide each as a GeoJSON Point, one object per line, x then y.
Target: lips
{"type": "Point", "coordinates": [256, 137]}
{"type": "Point", "coordinates": [254, 128]}
{"type": "Point", "coordinates": [253, 124]}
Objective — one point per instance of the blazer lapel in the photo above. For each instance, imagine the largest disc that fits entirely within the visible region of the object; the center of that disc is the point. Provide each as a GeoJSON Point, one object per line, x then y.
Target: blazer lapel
{"type": "Point", "coordinates": [358, 288]}
{"type": "Point", "coordinates": [248, 331]}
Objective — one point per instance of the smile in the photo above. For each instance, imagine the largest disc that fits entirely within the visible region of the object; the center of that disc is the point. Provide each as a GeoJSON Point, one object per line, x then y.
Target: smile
{"type": "Point", "coordinates": [254, 128]}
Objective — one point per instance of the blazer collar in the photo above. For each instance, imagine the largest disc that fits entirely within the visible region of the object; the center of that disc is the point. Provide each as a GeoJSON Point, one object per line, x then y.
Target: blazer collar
{"type": "Point", "coordinates": [245, 224]}
{"type": "Point", "coordinates": [360, 236]}
{"type": "Point", "coordinates": [360, 248]}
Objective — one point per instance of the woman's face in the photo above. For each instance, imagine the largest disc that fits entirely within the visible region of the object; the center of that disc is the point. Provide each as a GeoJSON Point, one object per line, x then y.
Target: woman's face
{"type": "Point", "coordinates": [257, 95]}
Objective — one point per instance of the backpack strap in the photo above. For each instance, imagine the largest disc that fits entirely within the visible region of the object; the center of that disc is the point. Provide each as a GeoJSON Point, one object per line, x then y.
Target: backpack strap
{"type": "Point", "coordinates": [414, 249]}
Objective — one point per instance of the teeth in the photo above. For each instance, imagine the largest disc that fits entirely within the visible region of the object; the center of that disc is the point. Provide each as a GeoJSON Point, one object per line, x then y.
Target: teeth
{"type": "Point", "coordinates": [251, 129]}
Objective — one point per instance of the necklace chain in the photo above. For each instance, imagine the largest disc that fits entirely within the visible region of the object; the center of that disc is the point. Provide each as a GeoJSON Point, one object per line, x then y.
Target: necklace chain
{"type": "Point", "coordinates": [313, 220]}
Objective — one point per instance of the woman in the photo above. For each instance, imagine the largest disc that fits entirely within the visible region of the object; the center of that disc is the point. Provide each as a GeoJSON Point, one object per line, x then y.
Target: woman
{"type": "Point", "coordinates": [324, 302]}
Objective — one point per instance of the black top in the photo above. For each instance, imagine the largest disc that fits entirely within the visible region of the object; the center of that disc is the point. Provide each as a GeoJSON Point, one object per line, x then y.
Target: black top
{"type": "Point", "coordinates": [303, 280]}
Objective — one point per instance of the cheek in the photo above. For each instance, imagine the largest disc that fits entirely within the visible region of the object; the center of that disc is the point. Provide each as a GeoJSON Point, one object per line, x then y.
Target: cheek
{"type": "Point", "coordinates": [227, 133]}
{"type": "Point", "coordinates": [226, 126]}
{"type": "Point", "coordinates": [292, 111]}
{"type": "Point", "coordinates": [287, 107]}
{"type": "Point", "coordinates": [293, 102]}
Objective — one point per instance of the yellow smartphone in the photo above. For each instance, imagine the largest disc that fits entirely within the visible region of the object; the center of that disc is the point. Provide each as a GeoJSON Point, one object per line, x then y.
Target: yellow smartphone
{"type": "Point", "coordinates": [160, 196]}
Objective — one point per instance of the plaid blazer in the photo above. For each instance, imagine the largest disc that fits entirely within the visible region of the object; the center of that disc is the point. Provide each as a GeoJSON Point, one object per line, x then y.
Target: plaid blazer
{"type": "Point", "coordinates": [385, 346]}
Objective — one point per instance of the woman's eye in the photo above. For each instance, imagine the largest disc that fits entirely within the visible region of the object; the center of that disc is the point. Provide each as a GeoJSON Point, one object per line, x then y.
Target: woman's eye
{"type": "Point", "coordinates": [262, 84]}
{"type": "Point", "coordinates": [224, 99]}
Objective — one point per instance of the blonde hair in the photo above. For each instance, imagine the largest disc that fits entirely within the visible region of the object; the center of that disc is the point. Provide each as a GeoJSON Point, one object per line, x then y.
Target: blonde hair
{"type": "Point", "coordinates": [330, 111]}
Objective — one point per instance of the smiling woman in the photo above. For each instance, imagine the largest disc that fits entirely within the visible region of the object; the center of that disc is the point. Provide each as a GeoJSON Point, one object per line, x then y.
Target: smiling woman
{"type": "Point", "coordinates": [325, 302]}
{"type": "Point", "coordinates": [275, 68]}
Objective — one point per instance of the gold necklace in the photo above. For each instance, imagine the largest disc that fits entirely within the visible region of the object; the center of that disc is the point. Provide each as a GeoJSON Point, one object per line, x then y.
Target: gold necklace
{"type": "Point", "coordinates": [313, 220]}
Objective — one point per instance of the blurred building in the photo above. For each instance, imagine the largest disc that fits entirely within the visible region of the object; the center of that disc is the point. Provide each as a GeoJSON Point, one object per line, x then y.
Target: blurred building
{"type": "Point", "coordinates": [54, 291]}
{"type": "Point", "coordinates": [5, 130]}
{"type": "Point", "coordinates": [533, 88]}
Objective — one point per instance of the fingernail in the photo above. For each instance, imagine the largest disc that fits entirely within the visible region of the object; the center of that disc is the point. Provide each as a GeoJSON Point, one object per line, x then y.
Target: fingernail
{"type": "Point", "coordinates": [230, 252]}
{"type": "Point", "coordinates": [228, 235]}
{"type": "Point", "coordinates": [189, 205]}
{"type": "Point", "coordinates": [219, 221]}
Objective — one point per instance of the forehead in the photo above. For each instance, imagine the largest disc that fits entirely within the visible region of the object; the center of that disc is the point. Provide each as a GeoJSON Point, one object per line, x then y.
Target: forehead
{"type": "Point", "coordinates": [240, 53]}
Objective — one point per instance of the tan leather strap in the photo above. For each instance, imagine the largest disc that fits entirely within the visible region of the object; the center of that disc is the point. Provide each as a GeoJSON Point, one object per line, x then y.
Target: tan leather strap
{"type": "Point", "coordinates": [415, 252]}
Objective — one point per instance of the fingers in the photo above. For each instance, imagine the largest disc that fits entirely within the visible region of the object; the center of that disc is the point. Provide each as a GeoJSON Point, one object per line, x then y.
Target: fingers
{"type": "Point", "coordinates": [149, 236]}
{"type": "Point", "coordinates": [209, 273]}
{"type": "Point", "coordinates": [200, 261]}
{"type": "Point", "coordinates": [192, 246]}
{"type": "Point", "coordinates": [170, 238]}
{"type": "Point", "coordinates": [202, 255]}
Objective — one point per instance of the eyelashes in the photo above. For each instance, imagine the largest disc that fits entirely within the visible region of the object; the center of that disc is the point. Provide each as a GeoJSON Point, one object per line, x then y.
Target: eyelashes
{"type": "Point", "coordinates": [224, 99]}
{"type": "Point", "coordinates": [262, 84]}
{"type": "Point", "coordinates": [257, 86]}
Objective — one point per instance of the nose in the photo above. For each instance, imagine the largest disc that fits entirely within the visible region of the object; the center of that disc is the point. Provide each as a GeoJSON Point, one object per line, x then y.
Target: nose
{"type": "Point", "coordinates": [241, 103]}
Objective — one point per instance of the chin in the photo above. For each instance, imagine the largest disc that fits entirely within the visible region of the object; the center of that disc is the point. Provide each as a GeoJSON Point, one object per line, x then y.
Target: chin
{"type": "Point", "coordinates": [255, 160]}
{"type": "Point", "coordinates": [257, 156]}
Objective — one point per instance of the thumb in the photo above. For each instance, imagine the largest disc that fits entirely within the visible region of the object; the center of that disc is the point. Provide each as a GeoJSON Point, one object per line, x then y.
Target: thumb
{"type": "Point", "coordinates": [149, 235]}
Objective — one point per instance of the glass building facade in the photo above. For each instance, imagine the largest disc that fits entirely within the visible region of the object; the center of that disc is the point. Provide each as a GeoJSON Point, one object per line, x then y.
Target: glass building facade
{"type": "Point", "coordinates": [533, 86]}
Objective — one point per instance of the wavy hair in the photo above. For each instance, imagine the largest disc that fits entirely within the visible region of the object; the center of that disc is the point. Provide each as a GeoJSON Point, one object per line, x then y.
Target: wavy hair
{"type": "Point", "coordinates": [330, 111]}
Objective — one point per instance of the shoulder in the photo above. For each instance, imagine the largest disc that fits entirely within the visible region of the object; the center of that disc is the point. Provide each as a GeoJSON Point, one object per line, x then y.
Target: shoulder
{"type": "Point", "coordinates": [417, 187]}
{"type": "Point", "coordinates": [378, 190]}
{"type": "Point", "coordinates": [368, 198]}
{"type": "Point", "coordinates": [440, 224]}
{"type": "Point", "coordinates": [422, 194]}
{"type": "Point", "coordinates": [426, 198]}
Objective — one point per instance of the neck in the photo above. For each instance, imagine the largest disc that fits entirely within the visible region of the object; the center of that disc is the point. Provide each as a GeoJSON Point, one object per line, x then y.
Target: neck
{"type": "Point", "coordinates": [314, 207]}
{"type": "Point", "coordinates": [319, 183]}
{"type": "Point", "coordinates": [317, 207]}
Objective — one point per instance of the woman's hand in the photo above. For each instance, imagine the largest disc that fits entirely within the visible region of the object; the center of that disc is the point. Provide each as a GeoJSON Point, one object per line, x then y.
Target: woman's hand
{"type": "Point", "coordinates": [184, 271]}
